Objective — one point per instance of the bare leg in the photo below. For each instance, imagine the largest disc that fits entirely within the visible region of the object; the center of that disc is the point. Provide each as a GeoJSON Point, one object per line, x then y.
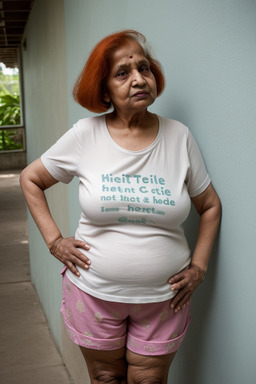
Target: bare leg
{"type": "Point", "coordinates": [148, 369]}
{"type": "Point", "coordinates": [106, 366]}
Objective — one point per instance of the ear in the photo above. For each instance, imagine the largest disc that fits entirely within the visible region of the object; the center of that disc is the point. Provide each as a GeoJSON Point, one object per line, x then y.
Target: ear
{"type": "Point", "coordinates": [106, 97]}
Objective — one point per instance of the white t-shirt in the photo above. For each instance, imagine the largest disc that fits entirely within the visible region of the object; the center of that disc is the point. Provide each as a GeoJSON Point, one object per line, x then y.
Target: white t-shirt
{"type": "Point", "coordinates": [133, 206]}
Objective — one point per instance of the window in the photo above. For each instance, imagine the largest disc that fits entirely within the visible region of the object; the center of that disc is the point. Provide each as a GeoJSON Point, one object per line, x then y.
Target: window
{"type": "Point", "coordinates": [12, 135]}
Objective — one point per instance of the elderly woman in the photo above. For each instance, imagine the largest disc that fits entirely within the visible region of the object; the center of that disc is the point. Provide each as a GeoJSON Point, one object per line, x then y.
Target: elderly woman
{"type": "Point", "coordinates": [128, 275]}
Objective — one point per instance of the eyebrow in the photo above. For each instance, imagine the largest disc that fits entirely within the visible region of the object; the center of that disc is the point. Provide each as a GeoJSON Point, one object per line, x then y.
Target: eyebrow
{"type": "Point", "coordinates": [127, 65]}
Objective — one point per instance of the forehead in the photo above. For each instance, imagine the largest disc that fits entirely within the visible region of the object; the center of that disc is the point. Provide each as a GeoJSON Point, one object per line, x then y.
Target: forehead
{"type": "Point", "coordinates": [128, 51]}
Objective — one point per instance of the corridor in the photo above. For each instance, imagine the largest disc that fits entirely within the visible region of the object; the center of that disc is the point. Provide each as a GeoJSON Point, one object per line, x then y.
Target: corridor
{"type": "Point", "coordinates": [28, 354]}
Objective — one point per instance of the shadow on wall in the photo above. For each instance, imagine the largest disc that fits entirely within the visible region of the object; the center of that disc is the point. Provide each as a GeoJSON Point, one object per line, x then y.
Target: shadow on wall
{"type": "Point", "coordinates": [190, 364]}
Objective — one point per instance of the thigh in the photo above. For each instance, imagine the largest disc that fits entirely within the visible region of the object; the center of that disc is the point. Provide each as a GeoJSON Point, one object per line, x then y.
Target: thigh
{"type": "Point", "coordinates": [154, 329]}
{"type": "Point", "coordinates": [148, 369]}
{"type": "Point", "coordinates": [106, 366]}
{"type": "Point", "coordinates": [91, 322]}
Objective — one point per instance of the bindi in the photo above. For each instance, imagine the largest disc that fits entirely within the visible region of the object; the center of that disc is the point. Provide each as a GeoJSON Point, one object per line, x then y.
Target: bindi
{"type": "Point", "coordinates": [131, 56]}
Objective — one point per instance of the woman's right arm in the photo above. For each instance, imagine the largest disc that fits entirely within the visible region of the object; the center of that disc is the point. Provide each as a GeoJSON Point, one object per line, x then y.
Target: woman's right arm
{"type": "Point", "coordinates": [34, 180]}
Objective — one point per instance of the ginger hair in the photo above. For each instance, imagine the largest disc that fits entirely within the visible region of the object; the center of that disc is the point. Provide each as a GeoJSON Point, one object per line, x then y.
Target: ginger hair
{"type": "Point", "coordinates": [90, 87]}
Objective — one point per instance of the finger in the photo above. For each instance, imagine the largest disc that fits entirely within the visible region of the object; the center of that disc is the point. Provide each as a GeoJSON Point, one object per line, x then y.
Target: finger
{"type": "Point", "coordinates": [180, 303]}
{"type": "Point", "coordinates": [71, 260]}
{"type": "Point", "coordinates": [81, 260]}
{"type": "Point", "coordinates": [80, 255]}
{"type": "Point", "coordinates": [75, 257]}
{"type": "Point", "coordinates": [81, 244]}
{"type": "Point", "coordinates": [71, 242]}
{"type": "Point", "coordinates": [69, 251]}
{"type": "Point", "coordinates": [179, 285]}
{"type": "Point", "coordinates": [180, 294]}
{"type": "Point", "coordinates": [176, 278]}
{"type": "Point", "coordinates": [176, 299]}
{"type": "Point", "coordinates": [72, 268]}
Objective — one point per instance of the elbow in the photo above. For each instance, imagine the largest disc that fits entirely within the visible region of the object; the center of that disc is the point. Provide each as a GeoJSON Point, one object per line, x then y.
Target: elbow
{"type": "Point", "coordinates": [23, 178]}
{"type": "Point", "coordinates": [26, 180]}
{"type": "Point", "coordinates": [217, 210]}
{"type": "Point", "coordinates": [214, 210]}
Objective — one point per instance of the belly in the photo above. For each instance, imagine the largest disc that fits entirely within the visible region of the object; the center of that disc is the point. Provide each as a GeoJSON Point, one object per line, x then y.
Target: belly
{"type": "Point", "coordinates": [145, 265]}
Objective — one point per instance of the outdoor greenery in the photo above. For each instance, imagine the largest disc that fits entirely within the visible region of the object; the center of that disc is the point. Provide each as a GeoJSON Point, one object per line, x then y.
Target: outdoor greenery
{"type": "Point", "coordinates": [10, 111]}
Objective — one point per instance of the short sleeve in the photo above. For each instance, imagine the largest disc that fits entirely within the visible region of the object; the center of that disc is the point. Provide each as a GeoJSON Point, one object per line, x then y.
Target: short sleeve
{"type": "Point", "coordinates": [62, 159]}
{"type": "Point", "coordinates": [197, 177]}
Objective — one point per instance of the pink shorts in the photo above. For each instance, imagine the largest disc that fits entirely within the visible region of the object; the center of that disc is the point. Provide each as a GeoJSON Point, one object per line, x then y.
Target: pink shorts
{"type": "Point", "coordinates": [146, 329]}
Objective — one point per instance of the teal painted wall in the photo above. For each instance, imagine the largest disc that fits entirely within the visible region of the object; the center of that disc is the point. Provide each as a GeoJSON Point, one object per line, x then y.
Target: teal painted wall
{"type": "Point", "coordinates": [45, 90]}
{"type": "Point", "coordinates": [208, 52]}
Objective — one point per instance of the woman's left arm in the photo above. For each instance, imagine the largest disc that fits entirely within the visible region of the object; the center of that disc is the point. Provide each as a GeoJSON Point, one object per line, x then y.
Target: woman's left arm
{"type": "Point", "coordinates": [208, 206]}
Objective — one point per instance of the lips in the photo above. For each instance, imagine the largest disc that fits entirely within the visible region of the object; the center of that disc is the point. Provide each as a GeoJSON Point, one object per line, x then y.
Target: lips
{"type": "Point", "coordinates": [140, 94]}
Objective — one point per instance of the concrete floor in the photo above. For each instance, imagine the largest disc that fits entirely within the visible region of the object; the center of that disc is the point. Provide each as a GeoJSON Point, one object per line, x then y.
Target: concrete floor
{"type": "Point", "coordinates": [27, 351]}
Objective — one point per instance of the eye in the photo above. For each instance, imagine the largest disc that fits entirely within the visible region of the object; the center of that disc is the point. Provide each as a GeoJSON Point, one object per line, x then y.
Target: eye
{"type": "Point", "coordinates": [122, 74]}
{"type": "Point", "coordinates": [144, 68]}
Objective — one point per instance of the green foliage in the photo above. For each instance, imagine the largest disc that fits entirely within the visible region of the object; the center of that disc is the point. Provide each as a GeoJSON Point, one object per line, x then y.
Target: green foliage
{"type": "Point", "coordinates": [9, 109]}
{"type": "Point", "coordinates": [9, 115]}
{"type": "Point", "coordinates": [8, 140]}
{"type": "Point", "coordinates": [9, 83]}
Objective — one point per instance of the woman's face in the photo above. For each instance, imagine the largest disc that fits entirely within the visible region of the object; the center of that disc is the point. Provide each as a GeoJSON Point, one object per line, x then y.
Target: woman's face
{"type": "Point", "coordinates": [131, 86]}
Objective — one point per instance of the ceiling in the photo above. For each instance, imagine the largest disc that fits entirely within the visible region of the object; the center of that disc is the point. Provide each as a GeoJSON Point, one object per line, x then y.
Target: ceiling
{"type": "Point", "coordinates": [13, 19]}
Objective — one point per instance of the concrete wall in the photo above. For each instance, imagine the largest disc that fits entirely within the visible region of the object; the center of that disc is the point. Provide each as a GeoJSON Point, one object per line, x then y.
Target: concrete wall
{"type": "Point", "coordinates": [13, 160]}
{"type": "Point", "coordinates": [207, 49]}
{"type": "Point", "coordinates": [46, 114]}
{"type": "Point", "coordinates": [44, 64]}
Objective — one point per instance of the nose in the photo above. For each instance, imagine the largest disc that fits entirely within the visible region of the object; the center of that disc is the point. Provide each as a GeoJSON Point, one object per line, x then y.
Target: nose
{"type": "Point", "coordinates": [138, 79]}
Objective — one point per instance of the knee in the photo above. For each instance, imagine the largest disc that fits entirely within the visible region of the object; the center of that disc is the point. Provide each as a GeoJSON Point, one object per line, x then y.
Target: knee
{"type": "Point", "coordinates": [146, 376]}
{"type": "Point", "coordinates": [107, 377]}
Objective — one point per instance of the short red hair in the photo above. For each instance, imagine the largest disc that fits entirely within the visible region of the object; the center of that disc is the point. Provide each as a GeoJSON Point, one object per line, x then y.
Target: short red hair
{"type": "Point", "coordinates": [90, 87]}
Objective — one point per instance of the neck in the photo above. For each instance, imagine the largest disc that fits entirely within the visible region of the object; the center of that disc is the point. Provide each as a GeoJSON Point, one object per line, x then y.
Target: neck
{"type": "Point", "coordinates": [130, 121]}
